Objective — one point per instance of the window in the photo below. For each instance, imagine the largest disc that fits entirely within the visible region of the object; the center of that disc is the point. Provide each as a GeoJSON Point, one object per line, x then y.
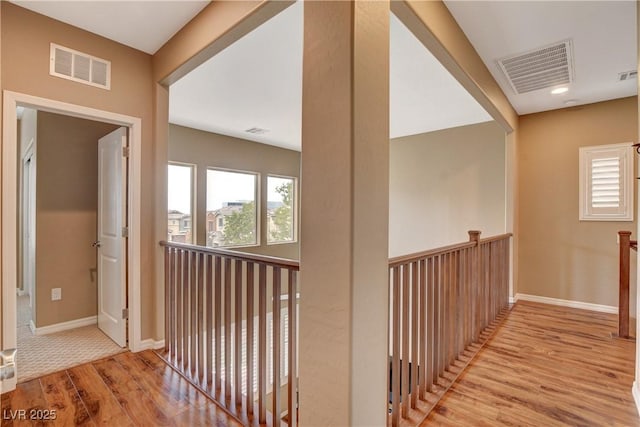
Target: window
{"type": "Point", "coordinates": [606, 183]}
{"type": "Point", "coordinates": [231, 202]}
{"type": "Point", "coordinates": [280, 210]}
{"type": "Point", "coordinates": [179, 203]}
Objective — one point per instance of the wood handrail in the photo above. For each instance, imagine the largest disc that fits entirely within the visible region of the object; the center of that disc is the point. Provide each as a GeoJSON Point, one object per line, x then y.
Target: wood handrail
{"type": "Point", "coordinates": [405, 259]}
{"type": "Point", "coordinates": [416, 256]}
{"type": "Point", "coordinates": [496, 238]}
{"type": "Point", "coordinates": [236, 255]}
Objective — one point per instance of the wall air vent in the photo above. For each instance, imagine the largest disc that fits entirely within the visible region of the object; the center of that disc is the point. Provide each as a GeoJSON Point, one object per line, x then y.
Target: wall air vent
{"type": "Point", "coordinates": [627, 75]}
{"type": "Point", "coordinates": [541, 68]}
{"type": "Point", "coordinates": [257, 131]}
{"type": "Point", "coordinates": [80, 67]}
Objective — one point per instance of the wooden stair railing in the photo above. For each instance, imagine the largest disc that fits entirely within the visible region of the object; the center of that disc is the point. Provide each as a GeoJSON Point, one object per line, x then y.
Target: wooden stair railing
{"type": "Point", "coordinates": [626, 245]}
{"type": "Point", "coordinates": [441, 303]}
{"type": "Point", "coordinates": [231, 328]}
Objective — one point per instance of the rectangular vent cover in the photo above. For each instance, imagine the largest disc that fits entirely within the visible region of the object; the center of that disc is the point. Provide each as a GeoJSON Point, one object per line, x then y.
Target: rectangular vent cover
{"type": "Point", "coordinates": [627, 75]}
{"type": "Point", "coordinates": [80, 67]}
{"type": "Point", "coordinates": [541, 68]}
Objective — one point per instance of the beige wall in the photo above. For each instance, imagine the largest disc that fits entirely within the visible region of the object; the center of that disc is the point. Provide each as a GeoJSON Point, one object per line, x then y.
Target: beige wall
{"type": "Point", "coordinates": [66, 216]}
{"type": "Point", "coordinates": [26, 38]}
{"type": "Point", "coordinates": [561, 257]}
{"type": "Point", "coordinates": [205, 149]}
{"type": "Point", "coordinates": [445, 183]}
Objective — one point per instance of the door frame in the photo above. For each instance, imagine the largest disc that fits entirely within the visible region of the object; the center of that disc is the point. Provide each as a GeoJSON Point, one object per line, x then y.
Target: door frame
{"type": "Point", "coordinates": [10, 209]}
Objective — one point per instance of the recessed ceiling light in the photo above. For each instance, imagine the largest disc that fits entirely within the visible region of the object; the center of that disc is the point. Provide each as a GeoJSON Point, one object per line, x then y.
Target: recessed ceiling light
{"type": "Point", "coordinates": [559, 90]}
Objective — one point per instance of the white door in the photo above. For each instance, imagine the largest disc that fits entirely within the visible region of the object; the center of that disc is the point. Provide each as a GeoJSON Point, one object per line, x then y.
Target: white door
{"type": "Point", "coordinates": [111, 243]}
{"type": "Point", "coordinates": [29, 227]}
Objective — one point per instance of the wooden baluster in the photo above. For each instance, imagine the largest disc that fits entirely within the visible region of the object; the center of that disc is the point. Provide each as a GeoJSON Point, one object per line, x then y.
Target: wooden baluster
{"type": "Point", "coordinates": [237, 353]}
{"type": "Point", "coordinates": [424, 334]}
{"type": "Point", "coordinates": [623, 289]}
{"type": "Point", "coordinates": [437, 319]}
{"type": "Point", "coordinates": [167, 298]}
{"type": "Point", "coordinates": [292, 389]}
{"type": "Point", "coordinates": [430, 314]}
{"type": "Point", "coordinates": [227, 329]}
{"type": "Point", "coordinates": [250, 333]}
{"type": "Point", "coordinates": [200, 329]}
{"type": "Point", "coordinates": [217, 286]}
{"type": "Point", "coordinates": [404, 382]}
{"type": "Point", "coordinates": [262, 344]}
{"type": "Point", "coordinates": [452, 310]}
{"type": "Point", "coordinates": [474, 236]}
{"type": "Point", "coordinates": [447, 319]}
{"type": "Point", "coordinates": [209, 316]}
{"type": "Point", "coordinates": [415, 341]}
{"type": "Point", "coordinates": [185, 311]}
{"type": "Point", "coordinates": [179, 306]}
{"type": "Point", "coordinates": [395, 358]}
{"type": "Point", "coordinates": [193, 311]}
{"type": "Point", "coordinates": [275, 392]}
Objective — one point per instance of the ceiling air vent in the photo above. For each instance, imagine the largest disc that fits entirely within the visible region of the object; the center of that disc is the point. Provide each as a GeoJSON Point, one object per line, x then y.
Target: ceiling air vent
{"type": "Point", "coordinates": [627, 75]}
{"type": "Point", "coordinates": [257, 131]}
{"type": "Point", "coordinates": [541, 68]}
{"type": "Point", "coordinates": [80, 67]}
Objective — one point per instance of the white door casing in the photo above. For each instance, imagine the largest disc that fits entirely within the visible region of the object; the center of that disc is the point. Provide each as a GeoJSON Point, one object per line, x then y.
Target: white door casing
{"type": "Point", "coordinates": [111, 242]}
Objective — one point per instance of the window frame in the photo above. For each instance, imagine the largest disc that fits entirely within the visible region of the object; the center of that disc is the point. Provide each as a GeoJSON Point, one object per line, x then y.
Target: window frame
{"type": "Point", "coordinates": [624, 152]}
{"type": "Point", "coordinates": [294, 207]}
{"type": "Point", "coordinates": [194, 193]}
{"type": "Point", "coordinates": [256, 199]}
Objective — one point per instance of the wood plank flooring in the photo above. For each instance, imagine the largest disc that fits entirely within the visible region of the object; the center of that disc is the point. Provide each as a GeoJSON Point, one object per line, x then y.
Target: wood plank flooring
{"type": "Point", "coordinates": [129, 389]}
{"type": "Point", "coordinates": [545, 366]}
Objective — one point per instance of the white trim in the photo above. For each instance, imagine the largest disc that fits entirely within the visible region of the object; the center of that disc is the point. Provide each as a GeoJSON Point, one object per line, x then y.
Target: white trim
{"type": "Point", "coordinates": [150, 344]}
{"type": "Point", "coordinates": [63, 326]}
{"type": "Point", "coordinates": [21, 292]}
{"type": "Point", "coordinates": [636, 395]}
{"type": "Point", "coordinates": [567, 303]}
{"type": "Point", "coordinates": [512, 300]}
{"type": "Point", "coordinates": [9, 208]}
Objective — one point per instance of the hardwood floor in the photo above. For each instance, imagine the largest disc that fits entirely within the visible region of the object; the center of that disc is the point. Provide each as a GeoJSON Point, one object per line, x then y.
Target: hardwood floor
{"type": "Point", "coordinates": [545, 366]}
{"type": "Point", "coordinates": [124, 390]}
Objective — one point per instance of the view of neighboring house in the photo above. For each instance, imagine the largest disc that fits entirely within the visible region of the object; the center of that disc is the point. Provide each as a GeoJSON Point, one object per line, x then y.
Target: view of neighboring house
{"type": "Point", "coordinates": [241, 216]}
{"type": "Point", "coordinates": [178, 227]}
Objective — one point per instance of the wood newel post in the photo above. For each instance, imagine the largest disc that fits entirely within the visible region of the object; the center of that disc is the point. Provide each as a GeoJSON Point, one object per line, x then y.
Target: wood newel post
{"type": "Point", "coordinates": [623, 296]}
{"type": "Point", "coordinates": [474, 236]}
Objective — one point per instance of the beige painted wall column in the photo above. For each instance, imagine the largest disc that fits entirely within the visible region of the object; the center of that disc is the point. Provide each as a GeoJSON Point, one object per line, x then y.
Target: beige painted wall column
{"type": "Point", "coordinates": [344, 214]}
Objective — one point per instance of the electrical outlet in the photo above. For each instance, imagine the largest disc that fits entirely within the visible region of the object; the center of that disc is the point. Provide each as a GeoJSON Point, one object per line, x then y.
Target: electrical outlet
{"type": "Point", "coordinates": [56, 294]}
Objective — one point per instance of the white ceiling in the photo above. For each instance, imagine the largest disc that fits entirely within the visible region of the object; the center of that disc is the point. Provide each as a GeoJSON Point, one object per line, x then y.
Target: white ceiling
{"type": "Point", "coordinates": [257, 82]}
{"type": "Point", "coordinates": [143, 25]}
{"type": "Point", "coordinates": [604, 44]}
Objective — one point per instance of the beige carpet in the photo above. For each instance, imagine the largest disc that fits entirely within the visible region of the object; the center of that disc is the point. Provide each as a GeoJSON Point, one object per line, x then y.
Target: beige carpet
{"type": "Point", "coordinates": [42, 354]}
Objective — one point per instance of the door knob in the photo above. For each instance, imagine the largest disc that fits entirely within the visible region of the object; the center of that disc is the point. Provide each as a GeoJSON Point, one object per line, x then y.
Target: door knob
{"type": "Point", "coordinates": [96, 244]}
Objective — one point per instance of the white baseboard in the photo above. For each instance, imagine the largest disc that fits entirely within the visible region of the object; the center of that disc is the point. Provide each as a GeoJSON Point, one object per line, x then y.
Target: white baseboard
{"type": "Point", "coordinates": [568, 303]}
{"type": "Point", "coordinates": [512, 300]}
{"type": "Point", "coordinates": [636, 395]}
{"type": "Point", "coordinates": [150, 344]}
{"type": "Point", "coordinates": [64, 326]}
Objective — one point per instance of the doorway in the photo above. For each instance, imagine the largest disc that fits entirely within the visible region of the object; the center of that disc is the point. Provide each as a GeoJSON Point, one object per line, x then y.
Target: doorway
{"type": "Point", "coordinates": [10, 174]}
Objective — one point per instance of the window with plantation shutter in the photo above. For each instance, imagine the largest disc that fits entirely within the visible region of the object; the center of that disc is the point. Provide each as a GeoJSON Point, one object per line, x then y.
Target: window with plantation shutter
{"type": "Point", "coordinates": [606, 183]}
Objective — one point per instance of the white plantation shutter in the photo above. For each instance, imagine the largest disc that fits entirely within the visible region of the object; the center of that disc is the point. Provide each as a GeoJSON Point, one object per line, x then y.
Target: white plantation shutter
{"type": "Point", "coordinates": [606, 183]}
